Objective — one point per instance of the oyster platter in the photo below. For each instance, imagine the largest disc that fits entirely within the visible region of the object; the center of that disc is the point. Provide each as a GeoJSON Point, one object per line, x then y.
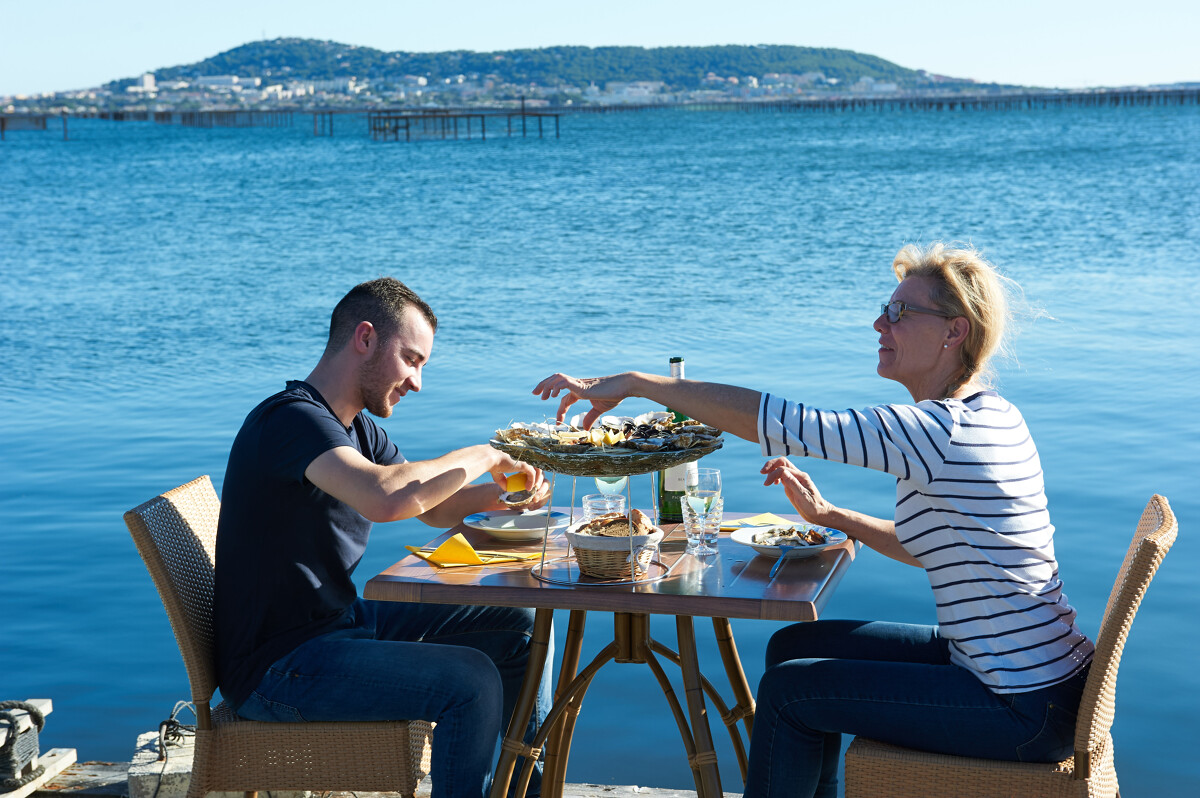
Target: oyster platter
{"type": "Point", "coordinates": [616, 446]}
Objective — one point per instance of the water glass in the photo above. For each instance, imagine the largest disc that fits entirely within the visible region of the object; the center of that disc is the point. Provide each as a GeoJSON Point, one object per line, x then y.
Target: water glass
{"type": "Point", "coordinates": [702, 523]}
{"type": "Point", "coordinates": [598, 504]}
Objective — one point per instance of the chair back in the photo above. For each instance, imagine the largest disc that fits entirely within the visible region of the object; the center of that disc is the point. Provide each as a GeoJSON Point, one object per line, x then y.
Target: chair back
{"type": "Point", "coordinates": [1155, 533]}
{"type": "Point", "coordinates": [176, 534]}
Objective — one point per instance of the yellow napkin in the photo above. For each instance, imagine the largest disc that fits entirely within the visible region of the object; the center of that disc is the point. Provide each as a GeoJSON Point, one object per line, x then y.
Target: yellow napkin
{"type": "Point", "coordinates": [456, 552]}
{"type": "Point", "coordinates": [762, 519]}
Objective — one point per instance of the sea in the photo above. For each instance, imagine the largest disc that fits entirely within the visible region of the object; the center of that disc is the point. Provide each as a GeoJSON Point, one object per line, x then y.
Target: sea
{"type": "Point", "coordinates": [158, 281]}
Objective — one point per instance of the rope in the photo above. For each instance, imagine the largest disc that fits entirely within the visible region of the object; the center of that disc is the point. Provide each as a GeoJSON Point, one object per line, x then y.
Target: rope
{"type": "Point", "coordinates": [172, 732]}
{"type": "Point", "coordinates": [8, 785]}
{"type": "Point", "coordinates": [39, 720]}
{"type": "Point", "coordinates": [35, 714]}
{"type": "Point", "coordinates": [521, 749]}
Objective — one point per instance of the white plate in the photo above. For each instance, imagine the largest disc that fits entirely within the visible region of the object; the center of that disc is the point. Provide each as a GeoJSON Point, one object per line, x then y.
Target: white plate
{"type": "Point", "coordinates": [746, 534]}
{"type": "Point", "coordinates": [514, 524]}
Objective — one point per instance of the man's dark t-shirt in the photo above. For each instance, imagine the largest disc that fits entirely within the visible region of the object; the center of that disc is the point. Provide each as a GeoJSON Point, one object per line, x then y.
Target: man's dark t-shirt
{"type": "Point", "coordinates": [286, 550]}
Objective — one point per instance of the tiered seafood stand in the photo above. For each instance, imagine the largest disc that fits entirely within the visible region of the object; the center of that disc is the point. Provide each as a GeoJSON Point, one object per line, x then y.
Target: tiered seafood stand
{"type": "Point", "coordinates": [631, 643]}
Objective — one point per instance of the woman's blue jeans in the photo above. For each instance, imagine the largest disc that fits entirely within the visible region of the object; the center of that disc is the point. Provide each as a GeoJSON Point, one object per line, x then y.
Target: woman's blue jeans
{"type": "Point", "coordinates": [894, 683]}
{"type": "Point", "coordinates": [458, 666]}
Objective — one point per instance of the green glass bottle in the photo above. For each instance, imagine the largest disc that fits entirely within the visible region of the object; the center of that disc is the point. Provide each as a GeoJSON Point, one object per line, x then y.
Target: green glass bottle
{"type": "Point", "coordinates": [671, 480]}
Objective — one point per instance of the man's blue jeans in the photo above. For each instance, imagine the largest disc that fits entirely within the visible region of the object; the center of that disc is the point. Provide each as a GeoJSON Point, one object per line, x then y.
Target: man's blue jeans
{"type": "Point", "coordinates": [894, 683]}
{"type": "Point", "coordinates": [458, 666]}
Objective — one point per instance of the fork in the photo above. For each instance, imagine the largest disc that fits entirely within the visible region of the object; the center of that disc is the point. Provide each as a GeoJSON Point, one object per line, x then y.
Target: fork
{"type": "Point", "coordinates": [783, 553]}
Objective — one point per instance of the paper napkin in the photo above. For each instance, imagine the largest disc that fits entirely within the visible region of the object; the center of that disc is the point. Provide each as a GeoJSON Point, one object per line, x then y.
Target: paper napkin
{"type": "Point", "coordinates": [762, 519]}
{"type": "Point", "coordinates": [457, 552]}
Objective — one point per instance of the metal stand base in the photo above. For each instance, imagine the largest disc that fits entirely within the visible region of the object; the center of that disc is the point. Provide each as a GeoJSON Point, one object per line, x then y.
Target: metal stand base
{"type": "Point", "coordinates": [631, 643]}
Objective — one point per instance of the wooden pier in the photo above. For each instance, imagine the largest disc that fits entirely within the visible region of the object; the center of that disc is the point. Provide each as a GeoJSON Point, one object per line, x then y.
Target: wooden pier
{"type": "Point", "coordinates": [1018, 101]}
{"type": "Point", "coordinates": [225, 118]}
{"type": "Point", "coordinates": [392, 125]}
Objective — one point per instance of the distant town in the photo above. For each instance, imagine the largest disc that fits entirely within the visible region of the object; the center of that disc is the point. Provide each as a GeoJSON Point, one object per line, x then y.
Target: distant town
{"type": "Point", "coordinates": [244, 92]}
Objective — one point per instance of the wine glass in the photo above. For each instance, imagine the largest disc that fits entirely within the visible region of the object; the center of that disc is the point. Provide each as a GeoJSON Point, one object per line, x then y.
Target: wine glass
{"type": "Point", "coordinates": [702, 509]}
{"type": "Point", "coordinates": [611, 484]}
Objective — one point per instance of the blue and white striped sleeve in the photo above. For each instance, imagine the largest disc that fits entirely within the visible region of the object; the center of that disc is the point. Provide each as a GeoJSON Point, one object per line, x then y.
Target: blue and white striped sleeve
{"type": "Point", "coordinates": [906, 441]}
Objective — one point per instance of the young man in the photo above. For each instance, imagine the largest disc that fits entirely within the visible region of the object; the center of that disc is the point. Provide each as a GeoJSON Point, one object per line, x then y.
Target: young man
{"type": "Point", "coordinates": [308, 474]}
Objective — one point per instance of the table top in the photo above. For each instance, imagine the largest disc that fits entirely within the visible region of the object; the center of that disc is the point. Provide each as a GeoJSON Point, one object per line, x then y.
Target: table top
{"type": "Point", "coordinates": [734, 583]}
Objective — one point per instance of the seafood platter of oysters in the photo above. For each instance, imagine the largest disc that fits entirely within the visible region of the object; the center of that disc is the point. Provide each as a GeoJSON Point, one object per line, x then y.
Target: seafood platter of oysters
{"type": "Point", "coordinates": [615, 446]}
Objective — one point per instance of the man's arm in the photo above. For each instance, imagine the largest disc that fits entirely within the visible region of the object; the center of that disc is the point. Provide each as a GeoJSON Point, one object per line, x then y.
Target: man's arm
{"type": "Point", "coordinates": [478, 499]}
{"type": "Point", "coordinates": [726, 407]}
{"type": "Point", "coordinates": [407, 490]}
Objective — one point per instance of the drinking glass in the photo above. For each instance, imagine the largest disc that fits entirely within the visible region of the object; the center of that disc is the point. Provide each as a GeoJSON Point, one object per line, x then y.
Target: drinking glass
{"type": "Point", "coordinates": [702, 506]}
{"type": "Point", "coordinates": [598, 504]}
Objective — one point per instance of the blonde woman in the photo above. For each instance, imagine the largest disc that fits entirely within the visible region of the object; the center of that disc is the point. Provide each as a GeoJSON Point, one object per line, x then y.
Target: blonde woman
{"type": "Point", "coordinates": [1001, 674]}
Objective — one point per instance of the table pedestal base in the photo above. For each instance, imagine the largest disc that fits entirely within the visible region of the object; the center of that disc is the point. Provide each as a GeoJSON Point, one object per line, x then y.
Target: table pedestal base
{"type": "Point", "coordinates": [631, 643]}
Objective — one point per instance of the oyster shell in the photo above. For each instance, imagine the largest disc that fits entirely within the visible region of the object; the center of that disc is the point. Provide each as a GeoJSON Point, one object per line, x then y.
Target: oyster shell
{"type": "Point", "coordinates": [683, 441]}
{"type": "Point", "coordinates": [516, 498]}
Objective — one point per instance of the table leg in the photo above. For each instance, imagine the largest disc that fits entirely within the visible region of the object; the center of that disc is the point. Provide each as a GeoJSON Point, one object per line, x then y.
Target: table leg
{"type": "Point", "coordinates": [513, 744]}
{"type": "Point", "coordinates": [742, 696]}
{"type": "Point", "coordinates": [558, 744]}
{"type": "Point", "coordinates": [706, 755]}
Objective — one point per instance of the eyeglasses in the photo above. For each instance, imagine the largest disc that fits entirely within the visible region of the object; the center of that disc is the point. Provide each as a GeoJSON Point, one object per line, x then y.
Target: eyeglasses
{"type": "Point", "coordinates": [895, 311]}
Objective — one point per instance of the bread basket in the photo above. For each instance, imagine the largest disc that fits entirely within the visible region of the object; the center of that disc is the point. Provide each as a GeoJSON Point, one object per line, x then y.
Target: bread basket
{"type": "Point", "coordinates": [603, 557]}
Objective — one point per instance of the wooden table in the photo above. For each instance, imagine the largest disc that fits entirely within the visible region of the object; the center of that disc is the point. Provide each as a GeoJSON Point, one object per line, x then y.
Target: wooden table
{"type": "Point", "coordinates": [734, 583]}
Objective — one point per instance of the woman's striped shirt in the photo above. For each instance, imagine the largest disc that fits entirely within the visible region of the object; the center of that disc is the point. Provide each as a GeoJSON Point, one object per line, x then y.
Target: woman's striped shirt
{"type": "Point", "coordinates": [971, 507]}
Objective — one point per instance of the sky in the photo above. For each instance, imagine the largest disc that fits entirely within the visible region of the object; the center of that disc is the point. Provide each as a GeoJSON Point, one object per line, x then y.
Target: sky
{"type": "Point", "coordinates": [58, 45]}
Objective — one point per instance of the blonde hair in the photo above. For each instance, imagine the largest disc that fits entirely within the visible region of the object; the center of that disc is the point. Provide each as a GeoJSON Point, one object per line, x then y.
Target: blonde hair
{"type": "Point", "coordinates": [964, 284]}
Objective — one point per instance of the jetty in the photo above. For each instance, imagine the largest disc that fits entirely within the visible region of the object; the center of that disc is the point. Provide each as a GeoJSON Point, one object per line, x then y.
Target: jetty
{"type": "Point", "coordinates": [111, 780]}
{"type": "Point", "coordinates": [413, 124]}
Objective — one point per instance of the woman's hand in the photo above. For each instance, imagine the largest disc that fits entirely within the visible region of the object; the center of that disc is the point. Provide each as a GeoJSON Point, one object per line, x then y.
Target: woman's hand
{"type": "Point", "coordinates": [604, 393]}
{"type": "Point", "coordinates": [800, 490]}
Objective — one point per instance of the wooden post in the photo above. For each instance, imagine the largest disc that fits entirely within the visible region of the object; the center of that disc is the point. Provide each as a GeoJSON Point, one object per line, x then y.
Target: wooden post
{"type": "Point", "coordinates": [64, 119]}
{"type": "Point", "coordinates": [522, 116]}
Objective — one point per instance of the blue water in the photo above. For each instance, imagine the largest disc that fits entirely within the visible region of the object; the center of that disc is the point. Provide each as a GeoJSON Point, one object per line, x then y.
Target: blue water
{"type": "Point", "coordinates": [159, 281]}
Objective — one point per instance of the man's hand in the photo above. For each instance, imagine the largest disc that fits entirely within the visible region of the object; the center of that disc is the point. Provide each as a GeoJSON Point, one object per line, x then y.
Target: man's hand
{"type": "Point", "coordinates": [604, 393]}
{"type": "Point", "coordinates": [505, 465]}
{"type": "Point", "coordinates": [540, 497]}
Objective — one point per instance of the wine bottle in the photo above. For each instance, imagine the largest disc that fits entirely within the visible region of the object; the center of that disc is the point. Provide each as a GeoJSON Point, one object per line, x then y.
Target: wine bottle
{"type": "Point", "coordinates": [671, 480]}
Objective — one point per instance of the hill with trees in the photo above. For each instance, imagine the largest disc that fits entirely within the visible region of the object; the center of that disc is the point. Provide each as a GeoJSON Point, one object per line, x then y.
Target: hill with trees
{"type": "Point", "coordinates": [678, 67]}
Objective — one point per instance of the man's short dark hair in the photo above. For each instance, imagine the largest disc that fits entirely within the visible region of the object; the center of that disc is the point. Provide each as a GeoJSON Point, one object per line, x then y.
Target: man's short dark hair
{"type": "Point", "coordinates": [382, 302]}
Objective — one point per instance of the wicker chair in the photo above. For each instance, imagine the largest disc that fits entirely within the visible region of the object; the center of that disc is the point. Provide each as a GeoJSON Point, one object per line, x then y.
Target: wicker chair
{"type": "Point", "coordinates": [176, 535]}
{"type": "Point", "coordinates": [877, 769]}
